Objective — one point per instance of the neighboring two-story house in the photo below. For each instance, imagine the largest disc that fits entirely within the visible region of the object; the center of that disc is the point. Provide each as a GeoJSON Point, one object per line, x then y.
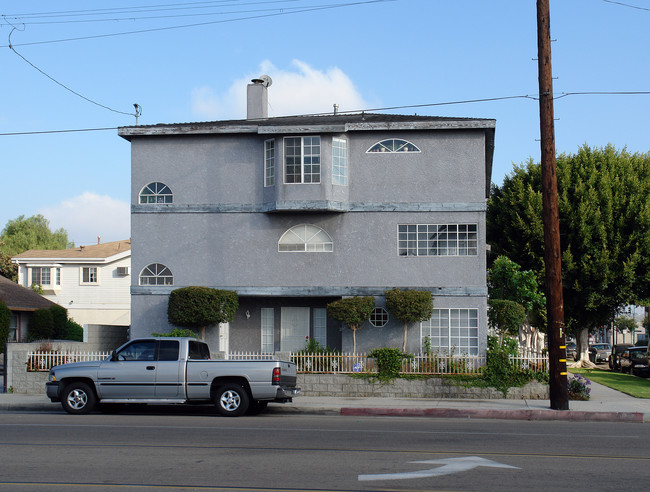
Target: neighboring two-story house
{"type": "Point", "coordinates": [293, 213]}
{"type": "Point", "coordinates": [91, 282]}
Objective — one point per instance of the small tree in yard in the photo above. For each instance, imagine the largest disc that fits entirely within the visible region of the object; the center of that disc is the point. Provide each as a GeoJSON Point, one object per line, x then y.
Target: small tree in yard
{"type": "Point", "coordinates": [352, 311]}
{"type": "Point", "coordinates": [5, 321]}
{"type": "Point", "coordinates": [410, 306]}
{"type": "Point", "coordinates": [42, 325]}
{"type": "Point", "coordinates": [59, 322]}
{"type": "Point", "coordinates": [506, 317]}
{"type": "Point", "coordinates": [198, 307]}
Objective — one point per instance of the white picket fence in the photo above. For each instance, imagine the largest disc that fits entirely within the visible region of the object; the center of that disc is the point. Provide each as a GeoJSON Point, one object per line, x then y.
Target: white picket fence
{"type": "Point", "coordinates": [43, 360]}
{"type": "Point", "coordinates": [325, 363]}
{"type": "Point", "coordinates": [249, 356]}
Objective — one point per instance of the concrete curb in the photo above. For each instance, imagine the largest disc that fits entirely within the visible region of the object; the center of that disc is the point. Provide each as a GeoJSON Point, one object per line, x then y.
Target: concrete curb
{"type": "Point", "coordinates": [455, 413]}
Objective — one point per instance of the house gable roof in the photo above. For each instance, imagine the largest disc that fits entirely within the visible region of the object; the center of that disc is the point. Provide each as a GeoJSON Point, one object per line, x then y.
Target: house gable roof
{"type": "Point", "coordinates": [19, 298]}
{"type": "Point", "coordinates": [97, 252]}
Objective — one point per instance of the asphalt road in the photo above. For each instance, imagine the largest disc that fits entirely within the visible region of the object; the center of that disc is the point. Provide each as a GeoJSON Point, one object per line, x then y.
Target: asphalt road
{"type": "Point", "coordinates": [195, 450]}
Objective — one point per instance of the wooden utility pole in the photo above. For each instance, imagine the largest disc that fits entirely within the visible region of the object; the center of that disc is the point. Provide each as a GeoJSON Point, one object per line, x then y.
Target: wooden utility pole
{"type": "Point", "coordinates": [559, 391]}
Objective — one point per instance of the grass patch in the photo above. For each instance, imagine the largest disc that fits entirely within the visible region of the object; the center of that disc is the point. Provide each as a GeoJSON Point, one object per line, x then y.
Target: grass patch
{"type": "Point", "coordinates": [630, 385]}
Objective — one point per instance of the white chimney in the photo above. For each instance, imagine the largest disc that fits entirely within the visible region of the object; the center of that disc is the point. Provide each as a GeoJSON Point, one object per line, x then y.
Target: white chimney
{"type": "Point", "coordinates": [257, 98]}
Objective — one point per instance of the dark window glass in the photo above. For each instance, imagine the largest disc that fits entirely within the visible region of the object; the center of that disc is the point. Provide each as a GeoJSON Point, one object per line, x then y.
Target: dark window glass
{"type": "Point", "coordinates": [168, 350]}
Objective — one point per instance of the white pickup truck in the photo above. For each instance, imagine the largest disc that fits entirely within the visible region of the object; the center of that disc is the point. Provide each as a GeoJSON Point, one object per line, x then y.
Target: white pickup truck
{"type": "Point", "coordinates": [169, 371]}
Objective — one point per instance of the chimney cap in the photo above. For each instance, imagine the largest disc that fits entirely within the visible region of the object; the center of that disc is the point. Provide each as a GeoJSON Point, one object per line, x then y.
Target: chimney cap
{"type": "Point", "coordinates": [265, 80]}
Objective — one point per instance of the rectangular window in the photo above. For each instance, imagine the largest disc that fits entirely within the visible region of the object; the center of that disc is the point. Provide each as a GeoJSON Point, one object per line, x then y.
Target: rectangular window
{"type": "Point", "coordinates": [320, 326]}
{"type": "Point", "coordinates": [58, 276]}
{"type": "Point", "coordinates": [267, 331]}
{"type": "Point", "coordinates": [41, 276]}
{"type": "Point", "coordinates": [437, 239]}
{"type": "Point", "coordinates": [302, 159]}
{"type": "Point", "coordinates": [13, 329]}
{"type": "Point", "coordinates": [269, 163]}
{"type": "Point", "coordinates": [339, 161]}
{"type": "Point", "coordinates": [89, 275]}
{"type": "Point", "coordinates": [451, 331]}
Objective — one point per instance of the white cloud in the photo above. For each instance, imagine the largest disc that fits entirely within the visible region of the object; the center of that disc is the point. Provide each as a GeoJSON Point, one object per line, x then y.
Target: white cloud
{"type": "Point", "coordinates": [302, 90]}
{"type": "Point", "coordinates": [89, 215]}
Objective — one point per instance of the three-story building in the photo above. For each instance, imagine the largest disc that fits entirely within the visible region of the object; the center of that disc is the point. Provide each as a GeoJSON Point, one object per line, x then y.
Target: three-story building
{"type": "Point", "coordinates": [295, 212]}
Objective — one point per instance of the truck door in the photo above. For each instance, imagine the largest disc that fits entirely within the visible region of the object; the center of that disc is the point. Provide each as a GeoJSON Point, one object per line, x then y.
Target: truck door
{"type": "Point", "coordinates": [170, 373]}
{"type": "Point", "coordinates": [131, 373]}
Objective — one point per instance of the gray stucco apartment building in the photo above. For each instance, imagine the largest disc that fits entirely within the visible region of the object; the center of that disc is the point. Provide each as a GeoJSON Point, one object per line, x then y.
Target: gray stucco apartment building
{"type": "Point", "coordinates": [295, 212]}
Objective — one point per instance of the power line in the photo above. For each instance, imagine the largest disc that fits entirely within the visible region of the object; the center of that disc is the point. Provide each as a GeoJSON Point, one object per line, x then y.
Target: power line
{"type": "Point", "coordinates": [58, 131]}
{"type": "Point", "coordinates": [199, 24]}
{"type": "Point", "coordinates": [61, 84]}
{"type": "Point", "coordinates": [388, 108]}
{"type": "Point", "coordinates": [627, 5]}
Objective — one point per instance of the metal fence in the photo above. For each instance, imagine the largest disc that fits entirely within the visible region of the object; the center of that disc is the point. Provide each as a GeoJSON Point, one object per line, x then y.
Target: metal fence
{"type": "Point", "coordinates": [41, 360]}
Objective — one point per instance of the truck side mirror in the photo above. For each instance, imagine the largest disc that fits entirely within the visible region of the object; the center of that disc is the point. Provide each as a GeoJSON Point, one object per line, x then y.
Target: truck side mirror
{"type": "Point", "coordinates": [114, 356]}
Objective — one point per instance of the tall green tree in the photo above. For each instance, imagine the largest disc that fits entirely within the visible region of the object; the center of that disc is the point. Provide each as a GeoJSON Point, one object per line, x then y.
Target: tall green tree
{"type": "Point", "coordinates": [409, 306]}
{"type": "Point", "coordinates": [508, 283]}
{"type": "Point", "coordinates": [604, 203]}
{"type": "Point", "coordinates": [24, 233]}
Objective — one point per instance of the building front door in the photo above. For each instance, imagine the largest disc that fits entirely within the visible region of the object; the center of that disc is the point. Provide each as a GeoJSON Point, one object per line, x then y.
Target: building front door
{"type": "Point", "coordinates": [294, 328]}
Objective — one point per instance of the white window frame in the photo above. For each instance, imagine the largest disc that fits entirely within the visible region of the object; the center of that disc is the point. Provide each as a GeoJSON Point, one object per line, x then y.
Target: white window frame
{"type": "Point", "coordinates": [44, 273]}
{"type": "Point", "coordinates": [305, 177]}
{"type": "Point", "coordinates": [319, 316]}
{"type": "Point", "coordinates": [92, 279]}
{"type": "Point", "coordinates": [452, 331]}
{"type": "Point", "coordinates": [419, 240]}
{"type": "Point", "coordinates": [158, 271]}
{"type": "Point", "coordinates": [159, 193]}
{"type": "Point", "coordinates": [339, 161]}
{"type": "Point", "coordinates": [305, 238]}
{"type": "Point", "coordinates": [267, 330]}
{"type": "Point", "coordinates": [388, 146]}
{"type": "Point", "coordinates": [269, 162]}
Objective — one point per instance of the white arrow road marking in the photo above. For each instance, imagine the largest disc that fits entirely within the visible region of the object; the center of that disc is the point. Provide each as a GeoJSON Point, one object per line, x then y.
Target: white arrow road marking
{"type": "Point", "coordinates": [450, 465]}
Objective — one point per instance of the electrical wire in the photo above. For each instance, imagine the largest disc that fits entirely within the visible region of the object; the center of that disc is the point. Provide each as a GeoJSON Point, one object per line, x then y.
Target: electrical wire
{"type": "Point", "coordinates": [388, 108]}
{"type": "Point", "coordinates": [141, 10]}
{"type": "Point", "coordinates": [61, 84]}
{"type": "Point", "coordinates": [199, 24]}
{"type": "Point", "coordinates": [626, 5]}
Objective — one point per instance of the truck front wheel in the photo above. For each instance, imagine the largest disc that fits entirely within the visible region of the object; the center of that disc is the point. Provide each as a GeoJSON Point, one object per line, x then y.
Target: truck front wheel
{"type": "Point", "coordinates": [231, 400]}
{"type": "Point", "coordinates": [78, 398]}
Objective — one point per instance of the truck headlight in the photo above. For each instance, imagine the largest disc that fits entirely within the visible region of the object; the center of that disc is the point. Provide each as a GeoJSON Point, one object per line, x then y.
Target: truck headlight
{"type": "Point", "coordinates": [51, 376]}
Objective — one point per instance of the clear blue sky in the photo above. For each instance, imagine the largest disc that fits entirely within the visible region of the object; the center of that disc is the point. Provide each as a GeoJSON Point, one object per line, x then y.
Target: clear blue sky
{"type": "Point", "coordinates": [360, 55]}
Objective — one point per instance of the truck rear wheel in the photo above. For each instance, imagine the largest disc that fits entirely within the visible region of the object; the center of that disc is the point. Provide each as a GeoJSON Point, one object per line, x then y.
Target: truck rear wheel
{"type": "Point", "coordinates": [78, 398]}
{"type": "Point", "coordinates": [231, 400]}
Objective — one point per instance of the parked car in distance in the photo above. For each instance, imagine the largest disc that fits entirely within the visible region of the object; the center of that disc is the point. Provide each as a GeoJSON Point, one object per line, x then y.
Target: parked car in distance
{"type": "Point", "coordinates": [599, 352]}
{"type": "Point", "coordinates": [617, 350]}
{"type": "Point", "coordinates": [571, 350]}
{"type": "Point", "coordinates": [634, 360]}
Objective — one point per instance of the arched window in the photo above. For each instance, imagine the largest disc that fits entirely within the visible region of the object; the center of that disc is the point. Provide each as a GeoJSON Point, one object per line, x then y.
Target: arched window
{"type": "Point", "coordinates": [306, 238]}
{"type": "Point", "coordinates": [156, 274]}
{"type": "Point", "coordinates": [156, 193]}
{"type": "Point", "coordinates": [393, 145]}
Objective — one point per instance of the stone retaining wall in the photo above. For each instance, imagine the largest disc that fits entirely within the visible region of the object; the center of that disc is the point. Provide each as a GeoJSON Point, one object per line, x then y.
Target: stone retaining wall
{"type": "Point", "coordinates": [342, 385]}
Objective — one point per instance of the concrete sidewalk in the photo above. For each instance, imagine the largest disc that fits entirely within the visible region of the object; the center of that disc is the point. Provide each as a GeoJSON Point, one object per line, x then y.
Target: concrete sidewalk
{"type": "Point", "coordinates": [605, 405]}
